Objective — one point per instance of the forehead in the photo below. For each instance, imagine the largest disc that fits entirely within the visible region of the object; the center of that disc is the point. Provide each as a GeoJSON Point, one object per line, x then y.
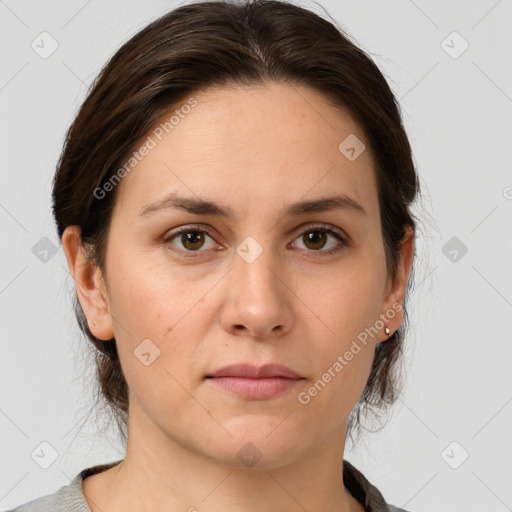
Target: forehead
{"type": "Point", "coordinates": [249, 144]}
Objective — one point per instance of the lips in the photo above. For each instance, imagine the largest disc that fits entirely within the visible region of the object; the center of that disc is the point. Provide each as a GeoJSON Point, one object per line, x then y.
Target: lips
{"type": "Point", "coordinates": [255, 383]}
{"type": "Point", "coordinates": [254, 372]}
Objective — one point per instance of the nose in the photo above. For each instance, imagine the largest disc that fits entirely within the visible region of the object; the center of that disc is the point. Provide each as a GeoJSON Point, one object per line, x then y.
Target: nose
{"type": "Point", "coordinates": [257, 298]}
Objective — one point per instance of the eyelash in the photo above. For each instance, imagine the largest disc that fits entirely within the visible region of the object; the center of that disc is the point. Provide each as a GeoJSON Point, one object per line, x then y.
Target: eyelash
{"type": "Point", "coordinates": [197, 229]}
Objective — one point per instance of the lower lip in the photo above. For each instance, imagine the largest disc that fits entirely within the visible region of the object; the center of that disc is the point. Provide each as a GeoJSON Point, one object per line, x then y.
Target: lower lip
{"type": "Point", "coordinates": [255, 389]}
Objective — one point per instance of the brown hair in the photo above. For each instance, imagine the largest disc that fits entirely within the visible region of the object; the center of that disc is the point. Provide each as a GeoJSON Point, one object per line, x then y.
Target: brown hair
{"type": "Point", "coordinates": [229, 44]}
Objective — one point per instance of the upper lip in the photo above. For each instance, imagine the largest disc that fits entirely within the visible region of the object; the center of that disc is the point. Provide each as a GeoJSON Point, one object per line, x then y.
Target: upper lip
{"type": "Point", "coordinates": [255, 372]}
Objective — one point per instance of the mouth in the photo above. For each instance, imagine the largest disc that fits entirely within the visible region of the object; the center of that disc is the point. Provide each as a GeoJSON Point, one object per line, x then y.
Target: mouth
{"type": "Point", "coordinates": [255, 383]}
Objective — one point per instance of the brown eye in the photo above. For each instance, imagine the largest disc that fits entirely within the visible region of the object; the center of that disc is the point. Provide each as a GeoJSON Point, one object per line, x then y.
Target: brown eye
{"type": "Point", "coordinates": [189, 240]}
{"type": "Point", "coordinates": [316, 239]}
{"type": "Point", "coordinates": [192, 240]}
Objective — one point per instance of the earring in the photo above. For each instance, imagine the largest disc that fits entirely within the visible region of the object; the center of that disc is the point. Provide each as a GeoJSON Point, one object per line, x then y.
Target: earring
{"type": "Point", "coordinates": [386, 330]}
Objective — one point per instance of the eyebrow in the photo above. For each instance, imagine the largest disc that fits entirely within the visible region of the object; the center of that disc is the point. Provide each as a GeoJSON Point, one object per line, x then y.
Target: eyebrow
{"type": "Point", "coordinates": [202, 207]}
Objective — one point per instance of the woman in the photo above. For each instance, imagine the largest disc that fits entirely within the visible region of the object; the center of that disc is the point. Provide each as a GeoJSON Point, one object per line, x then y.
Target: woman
{"type": "Point", "coordinates": [233, 200]}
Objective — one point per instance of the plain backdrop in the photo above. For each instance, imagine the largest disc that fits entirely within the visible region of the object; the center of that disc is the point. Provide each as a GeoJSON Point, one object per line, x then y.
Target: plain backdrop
{"type": "Point", "coordinates": [445, 445]}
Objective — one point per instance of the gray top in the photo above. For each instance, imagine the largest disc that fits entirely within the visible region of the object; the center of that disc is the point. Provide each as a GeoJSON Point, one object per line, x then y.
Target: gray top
{"type": "Point", "coordinates": [70, 498]}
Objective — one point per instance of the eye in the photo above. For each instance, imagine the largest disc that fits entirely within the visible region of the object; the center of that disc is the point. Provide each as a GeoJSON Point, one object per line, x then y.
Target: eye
{"type": "Point", "coordinates": [315, 239]}
{"type": "Point", "coordinates": [192, 238]}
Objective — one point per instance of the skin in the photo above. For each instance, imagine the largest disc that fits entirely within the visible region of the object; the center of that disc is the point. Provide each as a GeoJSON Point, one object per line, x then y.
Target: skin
{"type": "Point", "coordinates": [255, 150]}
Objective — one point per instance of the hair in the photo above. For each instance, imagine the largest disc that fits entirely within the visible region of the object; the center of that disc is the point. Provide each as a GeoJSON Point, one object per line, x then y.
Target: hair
{"type": "Point", "coordinates": [229, 44]}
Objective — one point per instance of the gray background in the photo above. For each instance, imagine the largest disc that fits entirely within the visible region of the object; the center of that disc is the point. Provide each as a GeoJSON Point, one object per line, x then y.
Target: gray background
{"type": "Point", "coordinates": [457, 110]}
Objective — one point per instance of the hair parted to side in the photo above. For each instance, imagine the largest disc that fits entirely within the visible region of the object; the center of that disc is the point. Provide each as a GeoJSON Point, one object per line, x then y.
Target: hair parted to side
{"type": "Point", "coordinates": [229, 43]}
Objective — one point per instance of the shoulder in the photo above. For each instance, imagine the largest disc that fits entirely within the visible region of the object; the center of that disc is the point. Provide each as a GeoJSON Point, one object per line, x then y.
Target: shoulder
{"type": "Point", "coordinates": [69, 498]}
{"type": "Point", "coordinates": [365, 492]}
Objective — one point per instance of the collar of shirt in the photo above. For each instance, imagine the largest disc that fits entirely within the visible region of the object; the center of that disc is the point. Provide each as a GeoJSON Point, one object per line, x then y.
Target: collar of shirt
{"type": "Point", "coordinates": [355, 482]}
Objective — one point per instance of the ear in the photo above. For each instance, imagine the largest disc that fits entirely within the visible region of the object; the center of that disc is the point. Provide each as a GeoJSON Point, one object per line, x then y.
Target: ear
{"type": "Point", "coordinates": [392, 306]}
{"type": "Point", "coordinates": [90, 285]}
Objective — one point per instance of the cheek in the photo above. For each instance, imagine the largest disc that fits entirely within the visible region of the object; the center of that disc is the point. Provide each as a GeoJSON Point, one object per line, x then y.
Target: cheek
{"type": "Point", "coordinates": [343, 354]}
{"type": "Point", "coordinates": [348, 302]}
{"type": "Point", "coordinates": [151, 311]}
{"type": "Point", "coordinates": [347, 308]}
{"type": "Point", "coordinates": [150, 296]}
{"type": "Point", "coordinates": [156, 309]}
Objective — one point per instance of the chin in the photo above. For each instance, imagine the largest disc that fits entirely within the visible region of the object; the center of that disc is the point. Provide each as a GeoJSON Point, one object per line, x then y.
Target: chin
{"type": "Point", "coordinates": [256, 456]}
{"type": "Point", "coordinates": [257, 444]}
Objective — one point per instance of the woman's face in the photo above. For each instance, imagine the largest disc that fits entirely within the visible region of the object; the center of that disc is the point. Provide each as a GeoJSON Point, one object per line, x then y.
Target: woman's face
{"type": "Point", "coordinates": [265, 283]}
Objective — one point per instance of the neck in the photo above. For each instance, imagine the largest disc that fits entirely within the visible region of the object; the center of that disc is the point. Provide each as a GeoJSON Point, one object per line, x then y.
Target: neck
{"type": "Point", "coordinates": [178, 479]}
